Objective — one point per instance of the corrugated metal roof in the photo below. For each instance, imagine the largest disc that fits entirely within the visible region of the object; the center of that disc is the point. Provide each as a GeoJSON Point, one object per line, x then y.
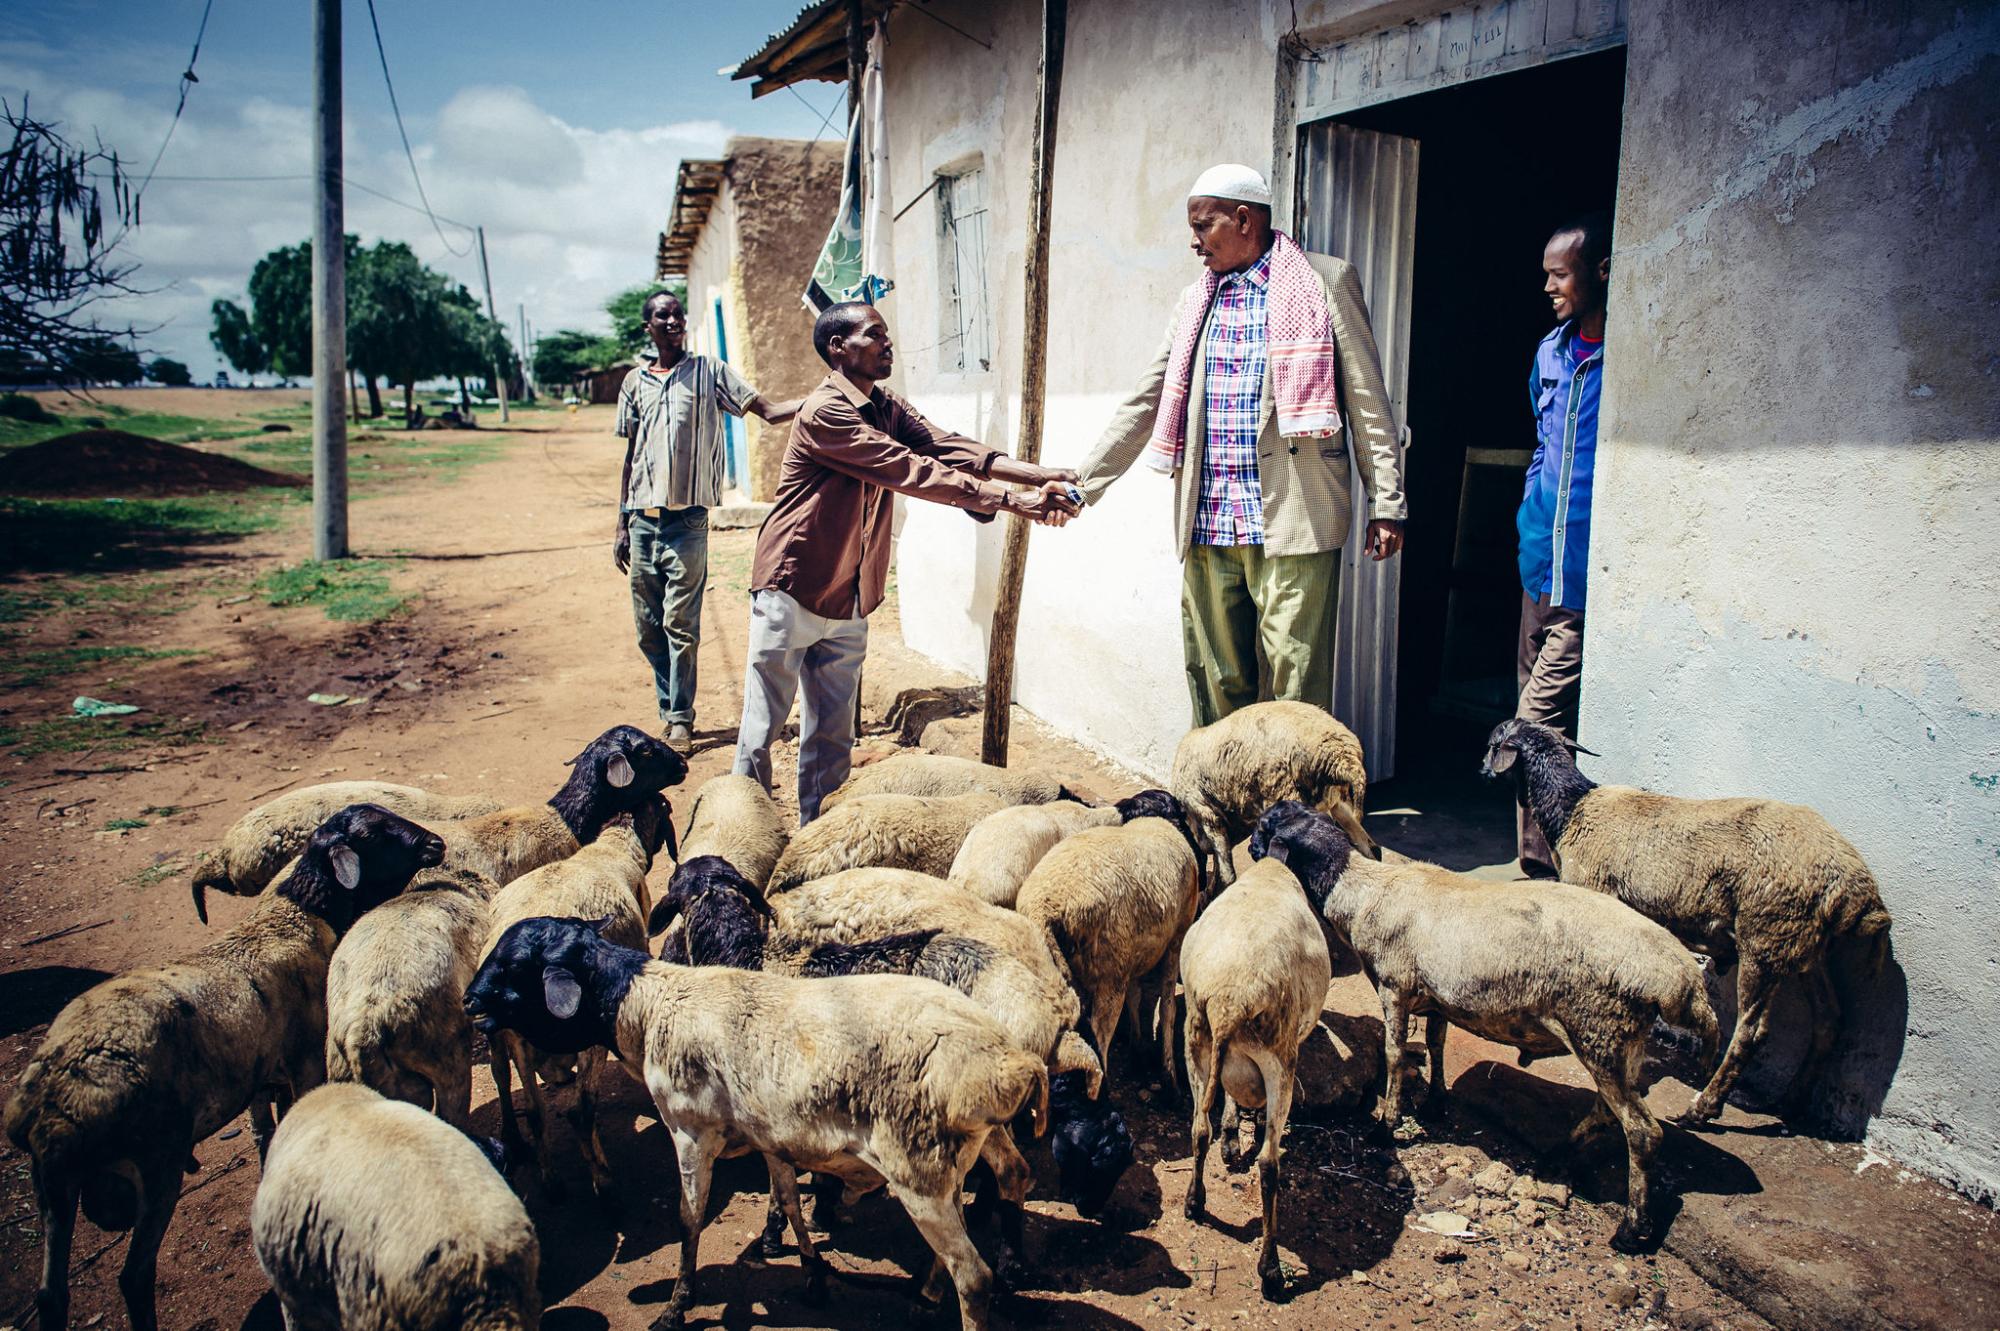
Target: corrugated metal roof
{"type": "Point", "coordinates": [813, 47]}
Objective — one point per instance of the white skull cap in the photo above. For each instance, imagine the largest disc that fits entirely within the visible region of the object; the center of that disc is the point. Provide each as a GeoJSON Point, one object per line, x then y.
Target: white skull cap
{"type": "Point", "coordinates": [1232, 180]}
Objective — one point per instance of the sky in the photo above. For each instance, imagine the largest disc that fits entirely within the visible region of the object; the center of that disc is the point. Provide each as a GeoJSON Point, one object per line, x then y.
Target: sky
{"type": "Point", "coordinates": [556, 127]}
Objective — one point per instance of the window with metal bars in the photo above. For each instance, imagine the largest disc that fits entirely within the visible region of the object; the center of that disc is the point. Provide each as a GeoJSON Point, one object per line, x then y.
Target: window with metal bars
{"type": "Point", "coordinates": [964, 339]}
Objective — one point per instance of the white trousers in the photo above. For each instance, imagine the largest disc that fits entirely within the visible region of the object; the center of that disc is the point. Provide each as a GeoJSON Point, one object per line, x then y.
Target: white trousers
{"type": "Point", "coordinates": [790, 645]}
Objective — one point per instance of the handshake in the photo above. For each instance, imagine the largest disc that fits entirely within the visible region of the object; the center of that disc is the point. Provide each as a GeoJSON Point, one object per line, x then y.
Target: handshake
{"type": "Point", "coordinates": [1053, 502]}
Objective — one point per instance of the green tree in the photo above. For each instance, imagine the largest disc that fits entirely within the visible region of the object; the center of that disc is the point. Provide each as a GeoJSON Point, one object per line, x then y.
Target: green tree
{"type": "Point", "coordinates": [564, 356]}
{"type": "Point", "coordinates": [99, 360]}
{"type": "Point", "coordinates": [172, 373]}
{"type": "Point", "coordinates": [235, 338]}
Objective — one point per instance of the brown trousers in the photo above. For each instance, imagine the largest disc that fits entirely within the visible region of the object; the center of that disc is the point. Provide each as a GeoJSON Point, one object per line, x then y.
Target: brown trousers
{"type": "Point", "coordinates": [1549, 666]}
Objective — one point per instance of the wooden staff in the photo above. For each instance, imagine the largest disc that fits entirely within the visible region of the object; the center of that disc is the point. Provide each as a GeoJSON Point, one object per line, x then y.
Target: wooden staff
{"type": "Point", "coordinates": [1034, 378]}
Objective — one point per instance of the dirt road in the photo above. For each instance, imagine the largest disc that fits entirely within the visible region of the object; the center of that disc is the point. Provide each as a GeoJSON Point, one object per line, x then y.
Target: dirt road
{"type": "Point", "coordinates": [519, 650]}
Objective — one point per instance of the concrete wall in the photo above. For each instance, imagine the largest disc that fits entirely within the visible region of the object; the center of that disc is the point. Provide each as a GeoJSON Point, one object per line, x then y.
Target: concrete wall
{"type": "Point", "coordinates": [757, 251]}
{"type": "Point", "coordinates": [1795, 587]}
{"type": "Point", "coordinates": [1797, 538]}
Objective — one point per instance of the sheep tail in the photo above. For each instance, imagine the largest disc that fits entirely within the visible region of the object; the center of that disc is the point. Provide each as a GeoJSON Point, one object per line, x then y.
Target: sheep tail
{"type": "Point", "coordinates": [1697, 1017]}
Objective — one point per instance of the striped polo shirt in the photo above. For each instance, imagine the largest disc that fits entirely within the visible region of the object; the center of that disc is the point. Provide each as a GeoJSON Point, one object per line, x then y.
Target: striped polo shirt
{"type": "Point", "coordinates": [675, 423]}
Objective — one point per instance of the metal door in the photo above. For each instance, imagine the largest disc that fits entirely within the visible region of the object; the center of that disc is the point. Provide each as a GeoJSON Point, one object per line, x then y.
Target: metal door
{"type": "Point", "coordinates": [1357, 198]}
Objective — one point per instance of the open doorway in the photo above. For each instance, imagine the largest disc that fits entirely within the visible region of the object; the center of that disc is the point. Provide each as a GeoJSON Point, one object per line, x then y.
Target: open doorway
{"type": "Point", "coordinates": [1502, 162]}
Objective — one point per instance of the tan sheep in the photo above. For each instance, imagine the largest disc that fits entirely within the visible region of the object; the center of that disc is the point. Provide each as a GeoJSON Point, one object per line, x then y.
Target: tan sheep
{"type": "Point", "coordinates": [1764, 886]}
{"type": "Point", "coordinates": [735, 818]}
{"type": "Point", "coordinates": [1255, 970]}
{"type": "Point", "coordinates": [605, 882]}
{"type": "Point", "coordinates": [1544, 967]}
{"type": "Point", "coordinates": [395, 993]}
{"type": "Point", "coordinates": [374, 1216]}
{"type": "Point", "coordinates": [875, 1079]}
{"type": "Point", "coordinates": [1228, 773]}
{"type": "Point", "coordinates": [915, 832]}
{"type": "Point", "coordinates": [137, 1070]}
{"type": "Point", "coordinates": [940, 776]}
{"type": "Point", "coordinates": [1117, 900]}
{"type": "Point", "coordinates": [617, 771]}
{"type": "Point", "coordinates": [1003, 847]}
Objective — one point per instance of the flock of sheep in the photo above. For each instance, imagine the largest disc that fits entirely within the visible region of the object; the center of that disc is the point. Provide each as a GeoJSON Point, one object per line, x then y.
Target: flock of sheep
{"type": "Point", "coordinates": [906, 994]}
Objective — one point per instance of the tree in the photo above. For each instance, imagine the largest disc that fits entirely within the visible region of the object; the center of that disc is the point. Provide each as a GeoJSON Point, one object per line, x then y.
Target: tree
{"type": "Point", "coordinates": [564, 356]}
{"type": "Point", "coordinates": [56, 252]}
{"type": "Point", "coordinates": [99, 360]}
{"type": "Point", "coordinates": [235, 338]}
{"type": "Point", "coordinates": [172, 373]}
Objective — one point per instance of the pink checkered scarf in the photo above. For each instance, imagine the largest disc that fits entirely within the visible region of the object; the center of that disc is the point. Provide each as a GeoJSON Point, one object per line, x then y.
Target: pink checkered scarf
{"type": "Point", "coordinates": [1305, 370]}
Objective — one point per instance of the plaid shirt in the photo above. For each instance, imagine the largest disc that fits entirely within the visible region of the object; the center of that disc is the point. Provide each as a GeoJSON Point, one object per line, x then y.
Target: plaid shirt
{"type": "Point", "coordinates": [1231, 511]}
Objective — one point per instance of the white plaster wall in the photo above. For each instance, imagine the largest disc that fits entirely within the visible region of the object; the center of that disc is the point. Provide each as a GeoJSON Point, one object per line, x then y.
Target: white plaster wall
{"type": "Point", "coordinates": [708, 277]}
{"type": "Point", "coordinates": [1796, 538]}
{"type": "Point", "coordinates": [1152, 94]}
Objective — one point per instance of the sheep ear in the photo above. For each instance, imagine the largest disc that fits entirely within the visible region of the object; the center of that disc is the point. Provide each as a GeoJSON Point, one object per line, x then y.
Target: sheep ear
{"type": "Point", "coordinates": [346, 865]}
{"type": "Point", "coordinates": [1279, 849]}
{"type": "Point", "coordinates": [1501, 759]}
{"type": "Point", "coordinates": [601, 926]}
{"type": "Point", "coordinates": [618, 770]}
{"type": "Point", "coordinates": [561, 992]}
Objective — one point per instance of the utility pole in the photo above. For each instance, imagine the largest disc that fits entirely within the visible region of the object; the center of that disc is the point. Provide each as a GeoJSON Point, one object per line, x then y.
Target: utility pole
{"type": "Point", "coordinates": [1034, 379]}
{"type": "Point", "coordinates": [329, 294]}
{"type": "Point", "coordinates": [527, 354]}
{"type": "Point", "coordinates": [486, 276]}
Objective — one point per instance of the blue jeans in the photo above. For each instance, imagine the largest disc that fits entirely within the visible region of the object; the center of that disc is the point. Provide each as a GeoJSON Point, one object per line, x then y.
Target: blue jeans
{"type": "Point", "coordinates": [669, 575]}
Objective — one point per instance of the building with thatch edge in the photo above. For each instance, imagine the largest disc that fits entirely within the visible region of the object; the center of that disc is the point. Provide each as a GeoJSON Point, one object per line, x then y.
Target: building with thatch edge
{"type": "Point", "coordinates": [745, 231]}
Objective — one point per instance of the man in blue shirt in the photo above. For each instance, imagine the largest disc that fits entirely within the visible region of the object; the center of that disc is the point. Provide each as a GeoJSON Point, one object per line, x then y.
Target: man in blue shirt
{"type": "Point", "coordinates": [1554, 518]}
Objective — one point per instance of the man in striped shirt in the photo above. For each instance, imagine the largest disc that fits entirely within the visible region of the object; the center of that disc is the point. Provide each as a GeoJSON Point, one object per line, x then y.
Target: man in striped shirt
{"type": "Point", "coordinates": [670, 416]}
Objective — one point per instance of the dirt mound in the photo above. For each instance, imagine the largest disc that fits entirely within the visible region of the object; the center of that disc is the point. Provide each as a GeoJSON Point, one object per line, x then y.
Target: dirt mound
{"type": "Point", "coordinates": [109, 463]}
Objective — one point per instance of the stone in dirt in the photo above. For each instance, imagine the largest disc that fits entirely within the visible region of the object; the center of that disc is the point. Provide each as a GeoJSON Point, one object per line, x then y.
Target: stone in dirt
{"type": "Point", "coordinates": [1515, 1261]}
{"type": "Point", "coordinates": [1495, 1179]}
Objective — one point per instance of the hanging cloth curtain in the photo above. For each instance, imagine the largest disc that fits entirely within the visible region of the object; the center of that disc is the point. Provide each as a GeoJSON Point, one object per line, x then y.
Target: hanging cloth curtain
{"type": "Point", "coordinates": [854, 261]}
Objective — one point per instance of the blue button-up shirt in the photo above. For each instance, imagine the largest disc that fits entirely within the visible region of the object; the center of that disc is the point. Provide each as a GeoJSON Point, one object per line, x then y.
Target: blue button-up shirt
{"type": "Point", "coordinates": [1554, 518]}
{"type": "Point", "coordinates": [1231, 509]}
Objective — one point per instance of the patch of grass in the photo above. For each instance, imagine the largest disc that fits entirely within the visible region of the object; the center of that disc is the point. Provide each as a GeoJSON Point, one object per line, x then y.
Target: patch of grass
{"type": "Point", "coordinates": [161, 810]}
{"type": "Point", "coordinates": [27, 669]}
{"type": "Point", "coordinates": [100, 734]}
{"type": "Point", "coordinates": [150, 597]}
{"type": "Point", "coordinates": [352, 591]}
{"type": "Point", "coordinates": [158, 873]}
{"type": "Point", "coordinates": [76, 534]}
{"type": "Point", "coordinates": [217, 515]}
{"type": "Point", "coordinates": [126, 824]}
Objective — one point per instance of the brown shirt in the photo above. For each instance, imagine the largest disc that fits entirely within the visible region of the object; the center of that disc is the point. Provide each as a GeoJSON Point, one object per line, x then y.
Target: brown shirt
{"type": "Point", "coordinates": [826, 541]}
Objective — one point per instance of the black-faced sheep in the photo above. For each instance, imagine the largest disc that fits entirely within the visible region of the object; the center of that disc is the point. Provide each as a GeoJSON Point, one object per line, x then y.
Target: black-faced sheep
{"type": "Point", "coordinates": [137, 1070]}
{"type": "Point", "coordinates": [735, 818]}
{"type": "Point", "coordinates": [723, 924]}
{"type": "Point", "coordinates": [603, 881]}
{"type": "Point", "coordinates": [940, 776]}
{"type": "Point", "coordinates": [1116, 900]}
{"type": "Point", "coordinates": [915, 832]}
{"type": "Point", "coordinates": [616, 772]}
{"type": "Point", "coordinates": [1255, 970]}
{"type": "Point", "coordinates": [1546, 968]}
{"type": "Point", "coordinates": [1755, 883]}
{"type": "Point", "coordinates": [1005, 846]}
{"type": "Point", "coordinates": [878, 1079]}
{"type": "Point", "coordinates": [395, 1014]}
{"type": "Point", "coordinates": [1228, 773]}
{"type": "Point", "coordinates": [374, 1216]}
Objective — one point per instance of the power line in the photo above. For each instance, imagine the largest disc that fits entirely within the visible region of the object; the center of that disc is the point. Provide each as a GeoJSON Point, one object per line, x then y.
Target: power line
{"type": "Point", "coordinates": [188, 80]}
{"type": "Point", "coordinates": [348, 181]}
{"type": "Point", "coordinates": [809, 106]}
{"type": "Point", "coordinates": [382, 51]}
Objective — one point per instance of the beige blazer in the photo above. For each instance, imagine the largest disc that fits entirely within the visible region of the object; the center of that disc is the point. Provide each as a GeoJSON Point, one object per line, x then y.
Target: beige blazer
{"type": "Point", "coordinates": [1307, 497]}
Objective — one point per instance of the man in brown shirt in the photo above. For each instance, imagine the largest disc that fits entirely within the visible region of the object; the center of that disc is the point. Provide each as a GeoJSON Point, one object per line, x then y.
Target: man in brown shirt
{"type": "Point", "coordinates": [822, 561]}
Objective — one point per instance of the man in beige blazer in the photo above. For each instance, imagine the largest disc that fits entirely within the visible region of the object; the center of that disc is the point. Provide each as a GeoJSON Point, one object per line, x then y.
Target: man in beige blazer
{"type": "Point", "coordinates": [1261, 512]}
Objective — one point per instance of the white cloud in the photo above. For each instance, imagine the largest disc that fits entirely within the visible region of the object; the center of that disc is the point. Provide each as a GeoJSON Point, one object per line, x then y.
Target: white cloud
{"type": "Point", "coordinates": [572, 215]}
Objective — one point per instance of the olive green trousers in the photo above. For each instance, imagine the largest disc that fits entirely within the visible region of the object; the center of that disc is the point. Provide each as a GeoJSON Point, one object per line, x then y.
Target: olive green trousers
{"type": "Point", "coordinates": [1257, 627]}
